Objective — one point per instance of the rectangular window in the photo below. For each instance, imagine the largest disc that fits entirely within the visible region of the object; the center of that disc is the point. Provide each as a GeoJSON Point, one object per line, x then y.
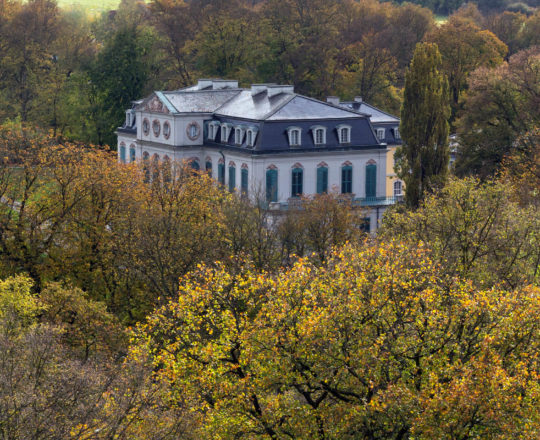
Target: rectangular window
{"type": "Point", "coordinates": [221, 173]}
{"type": "Point", "coordinates": [380, 134]}
{"type": "Point", "coordinates": [344, 135]}
{"type": "Point", "coordinates": [319, 136]}
{"type": "Point", "coordinates": [346, 179]}
{"type": "Point", "coordinates": [244, 180]}
{"type": "Point", "coordinates": [396, 134]}
{"type": "Point", "coordinates": [322, 180]}
{"type": "Point", "coordinates": [232, 178]}
{"type": "Point", "coordinates": [294, 137]}
{"type": "Point", "coordinates": [297, 182]}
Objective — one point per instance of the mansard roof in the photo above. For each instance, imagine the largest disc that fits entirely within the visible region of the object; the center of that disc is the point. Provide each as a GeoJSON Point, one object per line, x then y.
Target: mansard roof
{"type": "Point", "coordinates": [262, 102]}
{"type": "Point", "coordinates": [376, 115]}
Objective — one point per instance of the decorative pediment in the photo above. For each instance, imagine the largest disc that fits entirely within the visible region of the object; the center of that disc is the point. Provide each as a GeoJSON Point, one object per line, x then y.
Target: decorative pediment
{"type": "Point", "coordinates": [155, 105]}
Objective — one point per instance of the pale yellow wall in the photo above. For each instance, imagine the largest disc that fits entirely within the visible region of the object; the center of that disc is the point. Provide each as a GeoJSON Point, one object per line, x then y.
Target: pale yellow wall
{"type": "Point", "coordinates": [390, 174]}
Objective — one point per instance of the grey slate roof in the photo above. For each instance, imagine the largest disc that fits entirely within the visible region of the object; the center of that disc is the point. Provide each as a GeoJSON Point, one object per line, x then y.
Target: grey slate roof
{"type": "Point", "coordinates": [301, 107]}
{"type": "Point", "coordinates": [256, 107]}
{"type": "Point", "coordinates": [376, 115]}
{"type": "Point", "coordinates": [199, 101]}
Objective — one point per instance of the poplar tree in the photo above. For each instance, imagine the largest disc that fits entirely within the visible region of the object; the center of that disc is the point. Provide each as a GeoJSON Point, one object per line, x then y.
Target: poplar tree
{"type": "Point", "coordinates": [422, 161]}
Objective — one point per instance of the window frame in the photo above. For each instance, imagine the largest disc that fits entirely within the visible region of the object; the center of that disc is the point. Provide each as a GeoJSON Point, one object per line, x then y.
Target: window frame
{"type": "Point", "coordinates": [146, 126]}
{"type": "Point", "coordinates": [341, 128]}
{"type": "Point", "coordinates": [239, 132]}
{"type": "Point", "coordinates": [398, 183]}
{"type": "Point", "coordinates": [294, 131]}
{"type": "Point", "coordinates": [346, 179]}
{"type": "Point", "coordinates": [156, 131]}
{"type": "Point", "coordinates": [166, 130]}
{"type": "Point", "coordinates": [225, 132]}
{"type": "Point", "coordinates": [244, 180]}
{"type": "Point", "coordinates": [379, 132]}
{"type": "Point", "coordinates": [272, 190]}
{"type": "Point", "coordinates": [319, 129]}
{"type": "Point", "coordinates": [297, 183]}
{"type": "Point", "coordinates": [232, 173]}
{"type": "Point", "coordinates": [322, 179]}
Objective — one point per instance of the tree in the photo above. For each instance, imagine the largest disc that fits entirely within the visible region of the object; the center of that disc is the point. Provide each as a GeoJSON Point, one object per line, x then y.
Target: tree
{"type": "Point", "coordinates": [118, 77]}
{"type": "Point", "coordinates": [377, 344]}
{"type": "Point", "coordinates": [501, 105]}
{"type": "Point", "coordinates": [422, 162]}
{"type": "Point", "coordinates": [475, 230]}
{"type": "Point", "coordinates": [464, 46]}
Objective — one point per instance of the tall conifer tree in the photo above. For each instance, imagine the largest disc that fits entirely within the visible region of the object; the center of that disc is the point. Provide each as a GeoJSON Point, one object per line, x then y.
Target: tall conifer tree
{"type": "Point", "coordinates": [422, 161]}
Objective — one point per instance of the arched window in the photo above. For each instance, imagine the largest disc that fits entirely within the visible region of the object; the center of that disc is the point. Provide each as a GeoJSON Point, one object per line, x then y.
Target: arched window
{"type": "Point", "coordinates": [238, 135]}
{"type": "Point", "coordinates": [319, 134]}
{"type": "Point", "coordinates": [346, 179]}
{"type": "Point", "coordinates": [271, 185]}
{"type": "Point", "coordinates": [295, 136]}
{"type": "Point", "coordinates": [322, 179]}
{"type": "Point", "coordinates": [371, 180]}
{"type": "Point", "coordinates": [232, 176]}
{"type": "Point", "coordinates": [132, 153]}
{"type": "Point", "coordinates": [244, 180]}
{"type": "Point", "coordinates": [249, 139]}
{"type": "Point", "coordinates": [208, 166]}
{"type": "Point", "coordinates": [398, 188]}
{"type": "Point", "coordinates": [344, 134]}
{"type": "Point", "coordinates": [194, 164]}
{"type": "Point", "coordinates": [122, 153]}
{"type": "Point", "coordinates": [146, 166]}
{"type": "Point", "coordinates": [297, 182]}
{"type": "Point", "coordinates": [225, 132]}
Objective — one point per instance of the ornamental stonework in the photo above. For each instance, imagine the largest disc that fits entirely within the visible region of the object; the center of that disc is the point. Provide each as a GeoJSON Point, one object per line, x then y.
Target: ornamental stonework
{"type": "Point", "coordinates": [156, 106]}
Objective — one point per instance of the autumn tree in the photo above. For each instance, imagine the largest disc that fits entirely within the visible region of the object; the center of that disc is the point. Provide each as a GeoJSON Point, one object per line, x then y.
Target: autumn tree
{"type": "Point", "coordinates": [422, 162]}
{"type": "Point", "coordinates": [464, 46]}
{"type": "Point", "coordinates": [477, 231]}
{"type": "Point", "coordinates": [501, 105]}
{"type": "Point", "coordinates": [378, 344]}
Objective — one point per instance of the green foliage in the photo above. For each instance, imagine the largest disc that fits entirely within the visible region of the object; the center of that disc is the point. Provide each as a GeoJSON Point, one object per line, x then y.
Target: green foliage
{"type": "Point", "coordinates": [378, 344]}
{"type": "Point", "coordinates": [475, 231]}
{"type": "Point", "coordinates": [422, 162]}
{"type": "Point", "coordinates": [18, 306]}
{"type": "Point", "coordinates": [501, 105]}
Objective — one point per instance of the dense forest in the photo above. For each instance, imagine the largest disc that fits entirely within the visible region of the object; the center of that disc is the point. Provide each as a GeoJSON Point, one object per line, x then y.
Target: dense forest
{"type": "Point", "coordinates": [145, 301]}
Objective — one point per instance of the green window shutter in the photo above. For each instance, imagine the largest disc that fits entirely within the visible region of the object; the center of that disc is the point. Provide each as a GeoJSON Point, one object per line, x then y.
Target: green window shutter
{"type": "Point", "coordinates": [232, 178]}
{"type": "Point", "coordinates": [244, 180]}
{"type": "Point", "coordinates": [221, 173]}
{"type": "Point", "coordinates": [346, 179]}
{"type": "Point", "coordinates": [271, 185]}
{"type": "Point", "coordinates": [371, 180]}
{"type": "Point", "coordinates": [322, 180]}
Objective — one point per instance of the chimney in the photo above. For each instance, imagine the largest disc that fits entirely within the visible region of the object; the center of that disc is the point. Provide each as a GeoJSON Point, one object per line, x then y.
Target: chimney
{"type": "Point", "coordinates": [218, 84]}
{"type": "Point", "coordinates": [204, 84]}
{"type": "Point", "coordinates": [273, 90]}
{"type": "Point", "coordinates": [358, 99]}
{"type": "Point", "coordinates": [258, 88]}
{"type": "Point", "coordinates": [332, 100]}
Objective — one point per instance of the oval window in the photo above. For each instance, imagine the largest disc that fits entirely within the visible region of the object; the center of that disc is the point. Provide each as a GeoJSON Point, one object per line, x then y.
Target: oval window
{"type": "Point", "coordinates": [166, 130]}
{"type": "Point", "coordinates": [146, 126]}
{"type": "Point", "coordinates": [156, 127]}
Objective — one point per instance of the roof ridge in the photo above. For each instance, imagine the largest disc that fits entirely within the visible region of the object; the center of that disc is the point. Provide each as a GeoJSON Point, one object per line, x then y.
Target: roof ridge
{"type": "Point", "coordinates": [285, 102]}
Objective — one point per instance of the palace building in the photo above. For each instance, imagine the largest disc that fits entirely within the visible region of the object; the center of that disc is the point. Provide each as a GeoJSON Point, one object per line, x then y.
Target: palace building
{"type": "Point", "coordinates": [268, 140]}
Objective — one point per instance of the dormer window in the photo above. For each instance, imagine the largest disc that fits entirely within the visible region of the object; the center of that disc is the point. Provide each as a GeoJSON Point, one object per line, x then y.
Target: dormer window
{"type": "Point", "coordinates": [238, 135]}
{"type": "Point", "coordinates": [225, 132]}
{"type": "Point", "coordinates": [319, 134]}
{"type": "Point", "coordinates": [251, 135]}
{"type": "Point", "coordinates": [213, 127]}
{"type": "Point", "coordinates": [381, 134]}
{"type": "Point", "coordinates": [396, 134]}
{"type": "Point", "coordinates": [130, 118]}
{"type": "Point", "coordinates": [344, 134]}
{"type": "Point", "coordinates": [295, 136]}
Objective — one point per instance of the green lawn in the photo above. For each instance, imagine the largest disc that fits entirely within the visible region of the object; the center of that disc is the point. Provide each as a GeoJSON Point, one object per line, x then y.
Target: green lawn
{"type": "Point", "coordinates": [90, 5]}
